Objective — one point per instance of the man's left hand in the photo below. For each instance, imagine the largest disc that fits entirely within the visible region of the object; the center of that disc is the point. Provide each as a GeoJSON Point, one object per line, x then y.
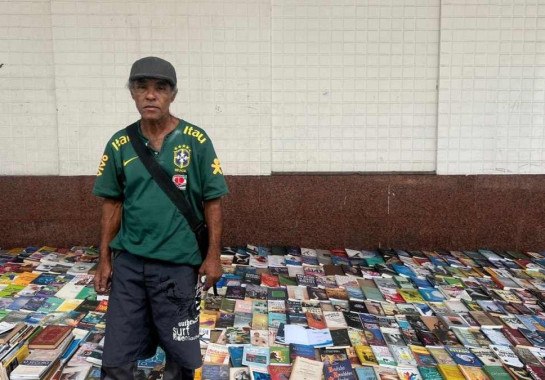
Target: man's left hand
{"type": "Point", "coordinates": [211, 268]}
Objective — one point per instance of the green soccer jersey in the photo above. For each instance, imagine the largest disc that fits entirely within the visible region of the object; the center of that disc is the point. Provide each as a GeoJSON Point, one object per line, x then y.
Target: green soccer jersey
{"type": "Point", "coordinates": [151, 225]}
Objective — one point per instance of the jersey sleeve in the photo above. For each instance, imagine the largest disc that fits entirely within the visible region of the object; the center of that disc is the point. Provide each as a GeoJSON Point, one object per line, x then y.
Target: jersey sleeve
{"type": "Point", "coordinates": [108, 183]}
{"type": "Point", "coordinates": [213, 181]}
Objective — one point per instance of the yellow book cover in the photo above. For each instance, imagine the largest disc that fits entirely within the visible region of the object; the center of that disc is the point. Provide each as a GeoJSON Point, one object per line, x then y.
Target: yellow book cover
{"type": "Point", "coordinates": [207, 321]}
{"type": "Point", "coordinates": [25, 278]}
{"type": "Point", "coordinates": [69, 305]}
{"type": "Point", "coordinates": [260, 321]}
{"type": "Point", "coordinates": [450, 372]}
{"type": "Point", "coordinates": [411, 295]}
{"type": "Point", "coordinates": [473, 373]}
{"type": "Point", "coordinates": [198, 374]}
{"type": "Point", "coordinates": [365, 354]}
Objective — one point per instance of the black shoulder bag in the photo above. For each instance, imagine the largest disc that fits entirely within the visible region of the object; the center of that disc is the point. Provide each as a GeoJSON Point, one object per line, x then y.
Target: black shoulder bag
{"type": "Point", "coordinates": [165, 183]}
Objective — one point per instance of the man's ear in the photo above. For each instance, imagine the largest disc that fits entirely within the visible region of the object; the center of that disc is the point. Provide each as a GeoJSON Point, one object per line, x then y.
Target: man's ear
{"type": "Point", "coordinates": [174, 93]}
{"type": "Point", "coordinates": [132, 95]}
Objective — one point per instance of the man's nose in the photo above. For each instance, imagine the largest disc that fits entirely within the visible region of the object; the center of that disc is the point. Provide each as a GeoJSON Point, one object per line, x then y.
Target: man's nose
{"type": "Point", "coordinates": [151, 93]}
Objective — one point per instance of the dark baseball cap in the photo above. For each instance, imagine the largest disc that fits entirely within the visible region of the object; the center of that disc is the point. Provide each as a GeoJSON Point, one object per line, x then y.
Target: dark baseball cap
{"type": "Point", "coordinates": [153, 67]}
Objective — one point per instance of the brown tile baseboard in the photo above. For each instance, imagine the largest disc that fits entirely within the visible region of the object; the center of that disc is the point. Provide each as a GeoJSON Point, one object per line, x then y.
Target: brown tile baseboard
{"type": "Point", "coordinates": [412, 211]}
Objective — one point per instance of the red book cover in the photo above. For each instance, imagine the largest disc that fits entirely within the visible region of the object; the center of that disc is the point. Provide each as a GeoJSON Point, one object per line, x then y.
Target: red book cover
{"type": "Point", "coordinates": [50, 337]}
{"type": "Point", "coordinates": [315, 320]}
{"type": "Point", "coordinates": [269, 280]}
{"type": "Point", "coordinates": [102, 306]}
{"type": "Point", "coordinates": [339, 252]}
{"type": "Point", "coordinates": [515, 337]}
{"type": "Point", "coordinates": [537, 372]}
{"type": "Point", "coordinates": [279, 372]}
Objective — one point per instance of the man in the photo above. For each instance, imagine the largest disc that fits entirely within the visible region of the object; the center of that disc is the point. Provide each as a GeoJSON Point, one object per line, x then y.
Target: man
{"type": "Point", "coordinates": [148, 253]}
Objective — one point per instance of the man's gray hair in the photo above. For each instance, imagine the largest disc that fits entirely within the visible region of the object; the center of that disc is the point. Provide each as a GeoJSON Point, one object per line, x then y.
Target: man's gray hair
{"type": "Point", "coordinates": [130, 85]}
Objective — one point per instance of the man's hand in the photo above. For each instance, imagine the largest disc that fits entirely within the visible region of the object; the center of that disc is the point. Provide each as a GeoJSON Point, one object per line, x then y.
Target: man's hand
{"type": "Point", "coordinates": [103, 276]}
{"type": "Point", "coordinates": [211, 268]}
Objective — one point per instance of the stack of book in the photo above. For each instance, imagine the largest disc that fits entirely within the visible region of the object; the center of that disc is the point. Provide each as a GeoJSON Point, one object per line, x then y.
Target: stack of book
{"type": "Point", "coordinates": [299, 313]}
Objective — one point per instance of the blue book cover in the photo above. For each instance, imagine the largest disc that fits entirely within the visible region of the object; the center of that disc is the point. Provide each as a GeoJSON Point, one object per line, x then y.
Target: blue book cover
{"type": "Point", "coordinates": [431, 294]}
{"type": "Point", "coordinates": [365, 373]}
{"type": "Point", "coordinates": [339, 370]}
{"type": "Point", "coordinates": [155, 360]}
{"type": "Point", "coordinates": [421, 282]}
{"type": "Point", "coordinates": [403, 270]}
{"type": "Point", "coordinates": [463, 356]}
{"type": "Point", "coordinates": [235, 355]}
{"type": "Point", "coordinates": [302, 350]}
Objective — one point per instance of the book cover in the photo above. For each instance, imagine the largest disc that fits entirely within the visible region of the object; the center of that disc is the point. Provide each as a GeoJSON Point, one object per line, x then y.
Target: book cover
{"type": "Point", "coordinates": [340, 337]}
{"type": "Point", "coordinates": [384, 356]}
{"type": "Point", "coordinates": [278, 372]}
{"type": "Point", "coordinates": [473, 373]}
{"type": "Point", "coordinates": [403, 356]}
{"type": "Point", "coordinates": [214, 372]}
{"type": "Point", "coordinates": [302, 350]}
{"type": "Point", "coordinates": [338, 369]}
{"type": "Point", "coordinates": [506, 355]}
{"type": "Point", "coordinates": [422, 356]}
{"type": "Point", "coordinates": [216, 354]}
{"type": "Point", "coordinates": [50, 337]}
{"type": "Point", "coordinates": [450, 372]}
{"type": "Point", "coordinates": [365, 373]}
{"type": "Point", "coordinates": [463, 357]}
{"type": "Point", "coordinates": [365, 355]}
{"type": "Point", "coordinates": [255, 356]}
{"type": "Point", "coordinates": [430, 373]}
{"type": "Point", "coordinates": [408, 373]}
{"type": "Point", "coordinates": [235, 355]}
{"type": "Point", "coordinates": [279, 355]}
{"type": "Point", "coordinates": [306, 369]}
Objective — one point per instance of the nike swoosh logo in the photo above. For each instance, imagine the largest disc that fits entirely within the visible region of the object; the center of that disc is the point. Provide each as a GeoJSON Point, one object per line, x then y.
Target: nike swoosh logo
{"type": "Point", "coordinates": [125, 163]}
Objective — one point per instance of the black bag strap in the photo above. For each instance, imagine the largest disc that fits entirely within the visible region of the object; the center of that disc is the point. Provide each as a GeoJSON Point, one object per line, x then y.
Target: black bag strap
{"type": "Point", "coordinates": [163, 179]}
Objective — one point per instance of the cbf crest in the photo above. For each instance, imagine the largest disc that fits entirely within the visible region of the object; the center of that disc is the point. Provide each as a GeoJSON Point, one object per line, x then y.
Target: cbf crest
{"type": "Point", "coordinates": [182, 157]}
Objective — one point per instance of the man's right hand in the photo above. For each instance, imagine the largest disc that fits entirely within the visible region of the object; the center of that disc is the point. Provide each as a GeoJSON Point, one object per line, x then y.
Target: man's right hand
{"type": "Point", "coordinates": [103, 277]}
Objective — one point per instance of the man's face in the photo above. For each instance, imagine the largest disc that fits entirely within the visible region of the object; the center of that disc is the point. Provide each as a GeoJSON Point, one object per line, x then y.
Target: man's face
{"type": "Point", "coordinates": [152, 98]}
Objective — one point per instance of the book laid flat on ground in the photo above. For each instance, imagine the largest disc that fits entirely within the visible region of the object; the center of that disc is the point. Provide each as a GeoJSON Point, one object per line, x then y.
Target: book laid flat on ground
{"type": "Point", "coordinates": [50, 337]}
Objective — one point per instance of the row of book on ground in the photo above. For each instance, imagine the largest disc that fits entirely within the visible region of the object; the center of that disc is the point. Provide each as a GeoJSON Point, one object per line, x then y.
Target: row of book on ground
{"type": "Point", "coordinates": [299, 313]}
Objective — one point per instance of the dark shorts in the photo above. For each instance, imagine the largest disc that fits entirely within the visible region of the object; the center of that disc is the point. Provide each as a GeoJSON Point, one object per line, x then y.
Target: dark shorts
{"type": "Point", "coordinates": [151, 303]}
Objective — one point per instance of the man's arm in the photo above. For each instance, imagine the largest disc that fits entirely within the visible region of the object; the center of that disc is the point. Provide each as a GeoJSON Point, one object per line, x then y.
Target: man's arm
{"type": "Point", "coordinates": [110, 223]}
{"type": "Point", "coordinates": [211, 267]}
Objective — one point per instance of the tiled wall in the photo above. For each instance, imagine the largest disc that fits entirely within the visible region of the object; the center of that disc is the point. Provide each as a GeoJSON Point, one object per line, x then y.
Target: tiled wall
{"type": "Point", "coordinates": [28, 119]}
{"type": "Point", "coordinates": [492, 87]}
{"type": "Point", "coordinates": [354, 85]}
{"type": "Point", "coordinates": [454, 86]}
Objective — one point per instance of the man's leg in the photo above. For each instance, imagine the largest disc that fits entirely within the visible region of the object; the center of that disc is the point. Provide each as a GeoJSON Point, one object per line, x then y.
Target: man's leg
{"type": "Point", "coordinates": [124, 372]}
{"type": "Point", "coordinates": [173, 371]}
{"type": "Point", "coordinates": [129, 336]}
{"type": "Point", "coordinates": [171, 291]}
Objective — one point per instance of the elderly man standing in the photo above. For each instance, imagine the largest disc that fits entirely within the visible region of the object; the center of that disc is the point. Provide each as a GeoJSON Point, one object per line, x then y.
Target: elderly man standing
{"type": "Point", "coordinates": [149, 255]}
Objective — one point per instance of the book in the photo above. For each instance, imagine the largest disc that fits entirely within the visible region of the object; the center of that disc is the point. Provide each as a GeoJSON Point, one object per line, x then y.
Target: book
{"type": "Point", "coordinates": [463, 356]}
{"type": "Point", "coordinates": [473, 373]}
{"type": "Point", "coordinates": [506, 355]}
{"type": "Point", "coordinates": [255, 356]}
{"type": "Point", "coordinates": [279, 355]}
{"type": "Point", "coordinates": [50, 337]}
{"type": "Point", "coordinates": [278, 372]}
{"type": "Point", "coordinates": [243, 373]}
{"type": "Point", "coordinates": [450, 372]}
{"type": "Point", "coordinates": [306, 369]}
{"type": "Point", "coordinates": [383, 356]}
{"type": "Point", "coordinates": [430, 373]}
